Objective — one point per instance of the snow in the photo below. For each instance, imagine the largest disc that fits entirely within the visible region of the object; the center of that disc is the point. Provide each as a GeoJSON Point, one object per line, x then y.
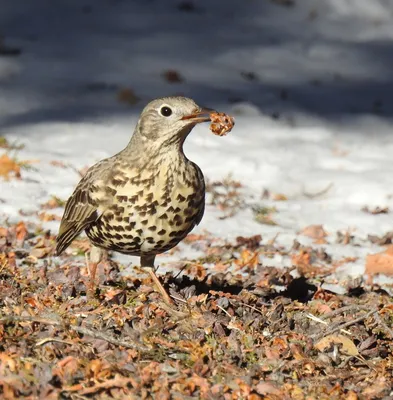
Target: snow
{"type": "Point", "coordinates": [314, 117]}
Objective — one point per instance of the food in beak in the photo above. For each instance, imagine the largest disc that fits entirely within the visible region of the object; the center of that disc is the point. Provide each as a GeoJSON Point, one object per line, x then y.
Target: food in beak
{"type": "Point", "coordinates": [221, 123]}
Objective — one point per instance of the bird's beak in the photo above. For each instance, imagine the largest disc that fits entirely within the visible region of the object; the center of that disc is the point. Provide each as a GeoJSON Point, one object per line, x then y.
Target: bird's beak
{"type": "Point", "coordinates": [201, 115]}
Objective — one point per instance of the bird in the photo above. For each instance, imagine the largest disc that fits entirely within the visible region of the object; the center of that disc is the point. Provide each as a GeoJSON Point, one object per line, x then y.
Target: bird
{"type": "Point", "coordinates": [145, 199]}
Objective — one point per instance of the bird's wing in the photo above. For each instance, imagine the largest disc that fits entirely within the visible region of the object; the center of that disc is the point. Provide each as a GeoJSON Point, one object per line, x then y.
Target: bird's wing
{"type": "Point", "coordinates": [201, 205]}
{"type": "Point", "coordinates": [83, 208]}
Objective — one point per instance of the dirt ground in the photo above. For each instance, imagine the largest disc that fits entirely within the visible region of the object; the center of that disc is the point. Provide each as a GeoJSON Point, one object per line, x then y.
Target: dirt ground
{"type": "Point", "coordinates": [236, 330]}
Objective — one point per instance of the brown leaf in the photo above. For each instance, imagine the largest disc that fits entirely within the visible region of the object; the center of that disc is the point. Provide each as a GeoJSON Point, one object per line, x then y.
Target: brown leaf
{"type": "Point", "coordinates": [380, 263]}
{"type": "Point", "coordinates": [248, 258]}
{"type": "Point", "coordinates": [127, 96]}
{"type": "Point", "coordinates": [376, 210]}
{"type": "Point", "coordinates": [66, 368]}
{"type": "Point", "coordinates": [265, 388]}
{"type": "Point", "coordinates": [279, 197]}
{"type": "Point", "coordinates": [303, 258]}
{"type": "Point", "coordinates": [314, 232]}
{"type": "Point", "coordinates": [8, 167]}
{"type": "Point", "coordinates": [21, 233]}
{"type": "Point", "coordinates": [172, 76]}
{"type": "Point", "coordinates": [378, 387]}
{"type": "Point", "coordinates": [347, 345]}
{"type": "Point", "coordinates": [46, 217]}
{"type": "Point", "coordinates": [98, 369]}
{"type": "Point", "coordinates": [53, 202]}
{"type": "Point", "coordinates": [59, 164]}
{"type": "Point", "coordinates": [40, 252]}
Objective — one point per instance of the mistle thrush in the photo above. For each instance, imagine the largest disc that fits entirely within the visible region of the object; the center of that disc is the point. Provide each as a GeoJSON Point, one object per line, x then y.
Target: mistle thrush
{"type": "Point", "coordinates": [144, 200]}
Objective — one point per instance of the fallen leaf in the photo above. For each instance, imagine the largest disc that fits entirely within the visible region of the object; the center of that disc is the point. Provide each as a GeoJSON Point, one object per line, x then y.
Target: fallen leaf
{"type": "Point", "coordinates": [8, 167]}
{"type": "Point", "coordinates": [380, 263]}
{"type": "Point", "coordinates": [303, 258]}
{"type": "Point", "coordinates": [265, 388]}
{"type": "Point", "coordinates": [66, 368]}
{"type": "Point", "coordinates": [347, 345]}
{"type": "Point", "coordinates": [279, 197]}
{"type": "Point", "coordinates": [53, 202]}
{"type": "Point", "coordinates": [376, 388]}
{"type": "Point", "coordinates": [59, 164]}
{"type": "Point", "coordinates": [314, 232]}
{"type": "Point", "coordinates": [127, 96]}
{"type": "Point", "coordinates": [376, 210]}
{"type": "Point", "coordinates": [46, 217]}
{"type": "Point", "coordinates": [172, 76]}
{"type": "Point", "coordinates": [248, 258]}
{"type": "Point", "coordinates": [21, 233]}
{"type": "Point", "coordinates": [40, 252]}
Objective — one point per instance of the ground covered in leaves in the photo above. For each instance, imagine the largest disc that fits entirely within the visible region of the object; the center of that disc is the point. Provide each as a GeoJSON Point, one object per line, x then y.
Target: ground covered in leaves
{"type": "Point", "coordinates": [236, 330]}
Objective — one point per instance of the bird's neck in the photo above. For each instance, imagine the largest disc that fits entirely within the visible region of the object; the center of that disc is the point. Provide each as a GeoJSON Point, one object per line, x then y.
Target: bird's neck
{"type": "Point", "coordinates": [142, 152]}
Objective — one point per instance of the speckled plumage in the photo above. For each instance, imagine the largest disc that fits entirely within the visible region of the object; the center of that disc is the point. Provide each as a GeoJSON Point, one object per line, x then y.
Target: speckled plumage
{"type": "Point", "coordinates": [147, 198]}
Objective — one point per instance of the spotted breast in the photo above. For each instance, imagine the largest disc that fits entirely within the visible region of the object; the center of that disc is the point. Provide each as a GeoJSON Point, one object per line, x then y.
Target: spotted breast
{"type": "Point", "coordinates": [148, 210]}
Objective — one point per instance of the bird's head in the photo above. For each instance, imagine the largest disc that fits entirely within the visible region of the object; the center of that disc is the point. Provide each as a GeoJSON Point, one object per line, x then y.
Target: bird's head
{"type": "Point", "coordinates": [167, 121]}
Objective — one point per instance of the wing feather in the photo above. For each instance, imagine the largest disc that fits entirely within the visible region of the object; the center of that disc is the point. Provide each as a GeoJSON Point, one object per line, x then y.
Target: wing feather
{"type": "Point", "coordinates": [79, 213]}
{"type": "Point", "coordinates": [83, 207]}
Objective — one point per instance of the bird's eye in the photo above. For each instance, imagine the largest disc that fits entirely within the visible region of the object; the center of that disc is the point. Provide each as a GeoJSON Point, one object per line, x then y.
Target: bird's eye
{"type": "Point", "coordinates": [166, 111]}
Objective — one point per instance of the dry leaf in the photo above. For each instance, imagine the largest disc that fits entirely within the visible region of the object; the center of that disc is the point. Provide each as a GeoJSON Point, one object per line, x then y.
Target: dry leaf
{"type": "Point", "coordinates": [303, 258]}
{"type": "Point", "coordinates": [376, 388]}
{"type": "Point", "coordinates": [66, 368]}
{"type": "Point", "coordinates": [59, 164]}
{"type": "Point", "coordinates": [314, 232]}
{"type": "Point", "coordinates": [347, 345]}
{"type": "Point", "coordinates": [380, 263]}
{"type": "Point", "coordinates": [53, 202]}
{"type": "Point", "coordinates": [376, 210]}
{"type": "Point", "coordinates": [9, 167]}
{"type": "Point", "coordinates": [248, 259]}
{"type": "Point", "coordinates": [41, 252]}
{"type": "Point", "coordinates": [265, 388]}
{"type": "Point", "coordinates": [127, 96]}
{"type": "Point", "coordinates": [21, 233]}
{"type": "Point", "coordinates": [172, 76]}
{"type": "Point", "coordinates": [279, 197]}
{"type": "Point", "coordinates": [46, 217]}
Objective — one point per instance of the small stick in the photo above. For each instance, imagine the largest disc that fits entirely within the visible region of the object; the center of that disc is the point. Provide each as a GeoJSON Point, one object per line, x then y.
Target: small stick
{"type": "Point", "coordinates": [225, 311]}
{"type": "Point", "coordinates": [343, 310]}
{"type": "Point", "coordinates": [321, 321]}
{"type": "Point", "coordinates": [342, 326]}
{"type": "Point", "coordinates": [50, 339]}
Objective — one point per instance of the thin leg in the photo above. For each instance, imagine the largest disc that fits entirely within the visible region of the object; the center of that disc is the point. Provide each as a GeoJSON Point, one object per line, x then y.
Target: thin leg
{"type": "Point", "coordinates": [147, 262]}
{"type": "Point", "coordinates": [95, 257]}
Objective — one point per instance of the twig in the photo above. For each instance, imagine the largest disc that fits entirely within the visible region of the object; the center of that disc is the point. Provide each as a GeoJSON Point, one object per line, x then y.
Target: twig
{"type": "Point", "coordinates": [342, 326]}
{"type": "Point", "coordinates": [343, 310]}
{"type": "Point", "coordinates": [178, 299]}
{"type": "Point", "coordinates": [51, 339]}
{"type": "Point", "coordinates": [250, 306]}
{"type": "Point", "coordinates": [321, 321]}
{"type": "Point", "coordinates": [225, 311]}
{"type": "Point", "coordinates": [79, 329]}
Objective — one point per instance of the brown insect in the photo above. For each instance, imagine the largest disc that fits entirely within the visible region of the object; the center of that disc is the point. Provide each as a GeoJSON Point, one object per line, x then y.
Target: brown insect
{"type": "Point", "coordinates": [221, 123]}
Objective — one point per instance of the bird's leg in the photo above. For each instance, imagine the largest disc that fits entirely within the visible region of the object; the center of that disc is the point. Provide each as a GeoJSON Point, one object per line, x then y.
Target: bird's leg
{"type": "Point", "coordinates": [95, 258]}
{"type": "Point", "coordinates": [147, 263]}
